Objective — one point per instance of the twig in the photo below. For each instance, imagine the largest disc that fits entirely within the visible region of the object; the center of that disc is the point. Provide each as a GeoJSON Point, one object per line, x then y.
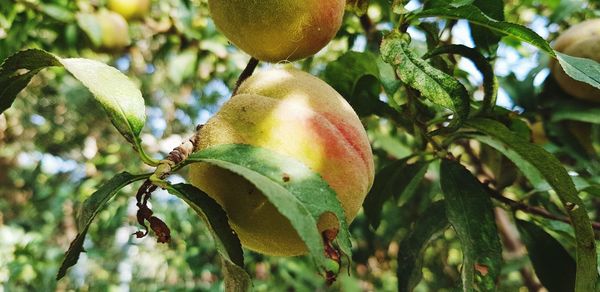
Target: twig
{"type": "Point", "coordinates": [532, 209]}
{"type": "Point", "coordinates": [245, 74]}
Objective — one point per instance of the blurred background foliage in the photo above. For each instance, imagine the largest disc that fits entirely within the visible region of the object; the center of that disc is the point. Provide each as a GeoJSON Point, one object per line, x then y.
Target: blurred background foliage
{"type": "Point", "coordinates": [57, 146]}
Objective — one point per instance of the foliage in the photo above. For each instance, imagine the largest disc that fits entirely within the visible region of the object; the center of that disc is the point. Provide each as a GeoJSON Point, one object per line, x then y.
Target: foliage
{"type": "Point", "coordinates": [464, 186]}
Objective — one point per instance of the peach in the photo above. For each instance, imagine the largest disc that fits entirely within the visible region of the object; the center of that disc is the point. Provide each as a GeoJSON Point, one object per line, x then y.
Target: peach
{"type": "Point", "coordinates": [298, 115]}
{"type": "Point", "coordinates": [130, 9]}
{"type": "Point", "coordinates": [278, 30]}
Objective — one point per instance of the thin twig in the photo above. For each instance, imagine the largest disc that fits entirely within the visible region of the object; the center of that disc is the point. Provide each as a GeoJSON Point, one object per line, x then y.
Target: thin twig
{"type": "Point", "coordinates": [532, 209]}
{"type": "Point", "coordinates": [245, 74]}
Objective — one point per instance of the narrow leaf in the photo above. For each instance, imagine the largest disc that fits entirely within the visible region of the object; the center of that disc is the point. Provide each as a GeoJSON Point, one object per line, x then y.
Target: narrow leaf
{"type": "Point", "coordinates": [470, 211]}
{"type": "Point", "coordinates": [538, 164]}
{"type": "Point", "coordinates": [484, 38]}
{"type": "Point", "coordinates": [294, 197]}
{"type": "Point", "coordinates": [120, 97]}
{"type": "Point", "coordinates": [410, 256]}
{"type": "Point", "coordinates": [90, 208]}
{"type": "Point", "coordinates": [476, 16]}
{"type": "Point", "coordinates": [437, 86]}
{"type": "Point", "coordinates": [581, 69]}
{"type": "Point", "coordinates": [227, 242]}
{"type": "Point", "coordinates": [553, 265]}
{"type": "Point", "coordinates": [398, 179]}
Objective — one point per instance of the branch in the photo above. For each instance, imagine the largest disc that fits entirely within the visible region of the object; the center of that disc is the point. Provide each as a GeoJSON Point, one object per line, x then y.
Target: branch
{"type": "Point", "coordinates": [532, 209]}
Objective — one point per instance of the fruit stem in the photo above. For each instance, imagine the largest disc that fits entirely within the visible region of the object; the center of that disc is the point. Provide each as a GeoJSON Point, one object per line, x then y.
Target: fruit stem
{"type": "Point", "coordinates": [245, 74]}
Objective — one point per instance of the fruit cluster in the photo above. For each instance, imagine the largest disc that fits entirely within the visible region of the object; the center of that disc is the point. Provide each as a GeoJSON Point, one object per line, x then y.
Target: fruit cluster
{"type": "Point", "coordinates": [287, 111]}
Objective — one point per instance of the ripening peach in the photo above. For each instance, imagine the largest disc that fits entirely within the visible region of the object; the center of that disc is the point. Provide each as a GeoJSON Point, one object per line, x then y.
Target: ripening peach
{"type": "Point", "coordinates": [278, 30]}
{"type": "Point", "coordinates": [298, 115]}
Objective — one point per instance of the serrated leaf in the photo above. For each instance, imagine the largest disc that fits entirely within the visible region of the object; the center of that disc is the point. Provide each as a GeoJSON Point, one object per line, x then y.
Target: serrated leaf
{"type": "Point", "coordinates": [227, 243]}
{"type": "Point", "coordinates": [581, 69]}
{"type": "Point", "coordinates": [410, 256]}
{"type": "Point", "coordinates": [90, 208]}
{"type": "Point", "coordinates": [398, 179]}
{"type": "Point", "coordinates": [294, 197]}
{"type": "Point", "coordinates": [435, 85]}
{"type": "Point", "coordinates": [537, 164]}
{"type": "Point", "coordinates": [120, 98]}
{"type": "Point", "coordinates": [474, 15]}
{"type": "Point", "coordinates": [467, 202]}
{"type": "Point", "coordinates": [553, 265]}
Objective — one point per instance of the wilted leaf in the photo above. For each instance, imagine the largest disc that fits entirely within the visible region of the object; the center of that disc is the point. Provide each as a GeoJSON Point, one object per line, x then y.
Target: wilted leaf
{"type": "Point", "coordinates": [435, 85]}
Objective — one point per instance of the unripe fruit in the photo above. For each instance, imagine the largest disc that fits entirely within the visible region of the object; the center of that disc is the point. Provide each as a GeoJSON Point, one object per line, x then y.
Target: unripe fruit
{"type": "Point", "coordinates": [298, 115]}
{"type": "Point", "coordinates": [115, 30]}
{"type": "Point", "coordinates": [581, 40]}
{"type": "Point", "coordinates": [130, 9]}
{"type": "Point", "coordinates": [278, 30]}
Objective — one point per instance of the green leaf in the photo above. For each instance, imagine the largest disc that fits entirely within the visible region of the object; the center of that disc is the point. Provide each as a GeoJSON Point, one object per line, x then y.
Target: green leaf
{"type": "Point", "coordinates": [588, 113]}
{"type": "Point", "coordinates": [294, 196]}
{"type": "Point", "coordinates": [553, 265]}
{"type": "Point", "coordinates": [484, 38]}
{"type": "Point", "coordinates": [410, 256]}
{"type": "Point", "coordinates": [437, 86]}
{"type": "Point", "coordinates": [18, 69]}
{"type": "Point", "coordinates": [537, 164]}
{"type": "Point", "coordinates": [470, 212]}
{"type": "Point", "coordinates": [359, 85]}
{"type": "Point", "coordinates": [228, 244]}
{"type": "Point", "coordinates": [474, 15]}
{"type": "Point", "coordinates": [581, 69]}
{"type": "Point", "coordinates": [120, 98]}
{"type": "Point", "coordinates": [90, 24]}
{"type": "Point", "coordinates": [88, 212]}
{"type": "Point", "coordinates": [490, 83]}
{"type": "Point", "coordinates": [398, 179]}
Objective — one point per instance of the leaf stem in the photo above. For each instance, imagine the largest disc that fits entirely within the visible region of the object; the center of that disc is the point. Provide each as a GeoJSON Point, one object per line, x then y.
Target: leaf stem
{"type": "Point", "coordinates": [143, 155]}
